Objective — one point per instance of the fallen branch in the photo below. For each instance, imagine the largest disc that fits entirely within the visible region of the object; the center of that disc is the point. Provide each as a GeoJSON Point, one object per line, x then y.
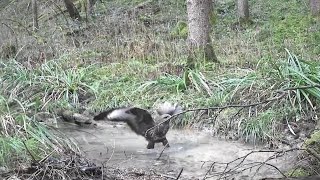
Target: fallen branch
{"type": "Point", "coordinates": [282, 94]}
{"type": "Point", "coordinates": [232, 105]}
{"type": "Point", "coordinates": [76, 118]}
{"type": "Point", "coordinates": [238, 165]}
{"type": "Point", "coordinates": [224, 107]}
{"type": "Point", "coordinates": [300, 87]}
{"type": "Point", "coordinates": [179, 174]}
{"type": "Point", "coordinates": [164, 175]}
{"type": "Point", "coordinates": [313, 153]}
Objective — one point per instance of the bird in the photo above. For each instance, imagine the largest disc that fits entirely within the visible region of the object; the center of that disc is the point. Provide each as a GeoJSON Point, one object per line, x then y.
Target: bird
{"type": "Point", "coordinates": [142, 123]}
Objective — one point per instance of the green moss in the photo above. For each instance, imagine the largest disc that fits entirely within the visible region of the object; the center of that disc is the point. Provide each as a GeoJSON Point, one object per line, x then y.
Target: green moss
{"type": "Point", "coordinates": [297, 173]}
{"type": "Point", "coordinates": [315, 138]}
{"type": "Point", "coordinates": [213, 18]}
{"type": "Point", "coordinates": [292, 27]}
{"type": "Point", "coordinates": [180, 30]}
{"type": "Point", "coordinates": [145, 18]}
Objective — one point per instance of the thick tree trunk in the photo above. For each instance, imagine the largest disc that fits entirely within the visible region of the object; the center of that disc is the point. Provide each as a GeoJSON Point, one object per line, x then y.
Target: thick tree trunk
{"type": "Point", "coordinates": [199, 27]}
{"type": "Point", "coordinates": [72, 10]}
{"type": "Point", "coordinates": [35, 15]}
{"type": "Point", "coordinates": [243, 9]}
{"type": "Point", "coordinates": [315, 7]}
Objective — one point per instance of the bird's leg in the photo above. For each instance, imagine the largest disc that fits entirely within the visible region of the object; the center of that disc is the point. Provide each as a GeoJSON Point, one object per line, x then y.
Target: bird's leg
{"type": "Point", "coordinates": [165, 142]}
{"type": "Point", "coordinates": [150, 145]}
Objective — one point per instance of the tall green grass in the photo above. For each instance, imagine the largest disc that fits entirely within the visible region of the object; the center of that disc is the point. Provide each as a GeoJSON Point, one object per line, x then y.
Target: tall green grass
{"type": "Point", "coordinates": [24, 92]}
{"type": "Point", "coordinates": [23, 139]}
{"type": "Point", "coordinates": [300, 80]}
{"type": "Point", "coordinates": [261, 128]}
{"type": "Point", "coordinates": [54, 81]}
{"type": "Point", "coordinates": [297, 74]}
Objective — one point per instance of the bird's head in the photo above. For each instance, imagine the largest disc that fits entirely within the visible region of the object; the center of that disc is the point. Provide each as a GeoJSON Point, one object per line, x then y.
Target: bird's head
{"type": "Point", "coordinates": [165, 117]}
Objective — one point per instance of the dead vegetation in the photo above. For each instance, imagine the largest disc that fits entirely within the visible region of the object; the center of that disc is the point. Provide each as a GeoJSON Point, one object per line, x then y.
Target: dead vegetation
{"type": "Point", "coordinates": [70, 165]}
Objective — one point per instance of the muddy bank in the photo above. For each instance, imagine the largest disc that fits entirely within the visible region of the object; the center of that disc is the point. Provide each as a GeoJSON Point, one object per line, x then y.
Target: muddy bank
{"type": "Point", "coordinates": [115, 145]}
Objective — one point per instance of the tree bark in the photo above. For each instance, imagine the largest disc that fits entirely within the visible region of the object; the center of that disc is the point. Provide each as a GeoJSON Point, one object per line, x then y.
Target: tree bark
{"type": "Point", "coordinates": [243, 9]}
{"type": "Point", "coordinates": [35, 15]}
{"type": "Point", "coordinates": [315, 7]}
{"type": "Point", "coordinates": [90, 4]}
{"type": "Point", "coordinates": [72, 10]}
{"type": "Point", "coordinates": [199, 27]}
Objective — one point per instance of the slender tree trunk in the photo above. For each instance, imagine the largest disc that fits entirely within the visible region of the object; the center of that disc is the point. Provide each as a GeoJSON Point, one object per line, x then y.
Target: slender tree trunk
{"type": "Point", "coordinates": [243, 9]}
{"type": "Point", "coordinates": [72, 10]}
{"type": "Point", "coordinates": [315, 7]}
{"type": "Point", "coordinates": [199, 27]}
{"type": "Point", "coordinates": [90, 4]}
{"type": "Point", "coordinates": [35, 15]}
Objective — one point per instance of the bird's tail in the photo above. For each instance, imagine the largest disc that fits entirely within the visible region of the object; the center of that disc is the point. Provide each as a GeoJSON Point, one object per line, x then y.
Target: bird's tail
{"type": "Point", "coordinates": [168, 109]}
{"type": "Point", "coordinates": [116, 114]}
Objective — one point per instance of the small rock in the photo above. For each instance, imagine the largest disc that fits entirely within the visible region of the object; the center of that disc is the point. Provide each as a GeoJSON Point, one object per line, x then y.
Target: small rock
{"type": "Point", "coordinates": [3, 169]}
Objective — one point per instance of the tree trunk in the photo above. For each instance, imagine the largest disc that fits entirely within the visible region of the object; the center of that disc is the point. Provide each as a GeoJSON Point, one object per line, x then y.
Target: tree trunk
{"type": "Point", "coordinates": [90, 4]}
{"type": "Point", "coordinates": [72, 10]}
{"type": "Point", "coordinates": [199, 27]}
{"type": "Point", "coordinates": [243, 9]}
{"type": "Point", "coordinates": [315, 7]}
{"type": "Point", "coordinates": [35, 15]}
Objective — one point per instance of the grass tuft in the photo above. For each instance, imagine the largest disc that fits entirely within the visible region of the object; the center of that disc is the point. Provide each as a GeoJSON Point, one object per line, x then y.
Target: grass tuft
{"type": "Point", "coordinates": [298, 73]}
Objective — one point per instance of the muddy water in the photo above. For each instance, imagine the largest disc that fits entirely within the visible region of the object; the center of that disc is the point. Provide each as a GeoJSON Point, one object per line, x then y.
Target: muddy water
{"type": "Point", "coordinates": [115, 145]}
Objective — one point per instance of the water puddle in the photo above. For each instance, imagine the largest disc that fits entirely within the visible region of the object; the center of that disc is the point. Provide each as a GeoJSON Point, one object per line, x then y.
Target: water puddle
{"type": "Point", "coordinates": [116, 145]}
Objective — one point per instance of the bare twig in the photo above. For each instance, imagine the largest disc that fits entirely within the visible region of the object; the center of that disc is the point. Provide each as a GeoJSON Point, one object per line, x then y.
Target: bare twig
{"type": "Point", "coordinates": [164, 175]}
{"type": "Point", "coordinates": [232, 105]}
{"type": "Point", "coordinates": [33, 158]}
{"type": "Point", "coordinates": [162, 151]}
{"type": "Point", "coordinates": [179, 174]}
{"type": "Point", "coordinates": [237, 165]}
{"type": "Point", "coordinates": [46, 157]}
{"type": "Point", "coordinates": [300, 87]}
{"type": "Point", "coordinates": [222, 108]}
{"type": "Point", "coordinates": [313, 153]}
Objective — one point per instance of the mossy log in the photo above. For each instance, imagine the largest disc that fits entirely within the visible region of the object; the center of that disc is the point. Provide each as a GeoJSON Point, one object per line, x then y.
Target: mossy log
{"type": "Point", "coordinates": [76, 118]}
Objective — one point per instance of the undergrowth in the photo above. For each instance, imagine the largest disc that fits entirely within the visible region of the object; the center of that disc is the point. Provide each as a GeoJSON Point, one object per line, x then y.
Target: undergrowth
{"type": "Point", "coordinates": [23, 139]}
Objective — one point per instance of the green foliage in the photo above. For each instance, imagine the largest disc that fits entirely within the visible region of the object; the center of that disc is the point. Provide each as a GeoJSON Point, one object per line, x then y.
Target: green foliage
{"type": "Point", "coordinates": [213, 18]}
{"type": "Point", "coordinates": [259, 128]}
{"type": "Point", "coordinates": [198, 80]}
{"type": "Point", "coordinates": [299, 172]}
{"type": "Point", "coordinates": [23, 93]}
{"type": "Point", "coordinates": [314, 139]}
{"type": "Point", "coordinates": [180, 30]}
{"type": "Point", "coordinates": [167, 81]}
{"type": "Point", "coordinates": [298, 73]}
{"type": "Point", "coordinates": [292, 27]}
{"type": "Point", "coordinates": [53, 80]}
{"type": "Point", "coordinates": [22, 139]}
